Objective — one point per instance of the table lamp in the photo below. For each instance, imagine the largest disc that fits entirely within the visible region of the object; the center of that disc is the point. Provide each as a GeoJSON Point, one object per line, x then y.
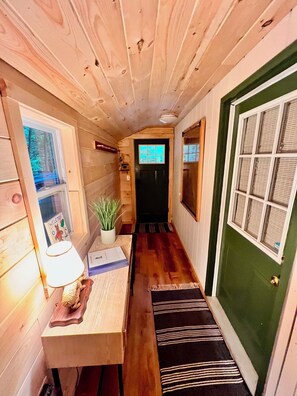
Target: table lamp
{"type": "Point", "coordinates": [64, 269]}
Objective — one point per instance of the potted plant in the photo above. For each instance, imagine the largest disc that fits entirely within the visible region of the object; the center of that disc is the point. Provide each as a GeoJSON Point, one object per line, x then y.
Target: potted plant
{"type": "Point", "coordinates": [106, 210]}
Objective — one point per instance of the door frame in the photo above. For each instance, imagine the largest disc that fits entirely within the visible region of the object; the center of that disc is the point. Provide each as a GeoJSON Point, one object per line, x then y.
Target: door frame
{"type": "Point", "coordinates": [283, 64]}
{"type": "Point", "coordinates": [157, 133]}
{"type": "Point", "coordinates": [166, 165]}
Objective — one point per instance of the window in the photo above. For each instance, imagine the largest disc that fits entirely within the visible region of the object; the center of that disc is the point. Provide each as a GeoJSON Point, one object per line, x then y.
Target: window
{"type": "Point", "coordinates": [264, 176]}
{"type": "Point", "coordinates": [48, 168]}
{"type": "Point", "coordinates": [192, 166]}
{"type": "Point", "coordinates": [54, 154]}
{"type": "Point", "coordinates": [56, 184]}
{"type": "Point", "coordinates": [151, 154]}
{"type": "Point", "coordinates": [191, 152]}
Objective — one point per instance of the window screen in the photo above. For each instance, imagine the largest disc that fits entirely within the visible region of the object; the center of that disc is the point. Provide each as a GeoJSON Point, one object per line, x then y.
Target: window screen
{"type": "Point", "coordinates": [264, 175]}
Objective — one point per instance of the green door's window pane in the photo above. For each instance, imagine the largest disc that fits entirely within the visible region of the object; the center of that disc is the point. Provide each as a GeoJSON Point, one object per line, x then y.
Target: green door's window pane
{"type": "Point", "coordinates": [273, 228]}
{"type": "Point", "coordinates": [244, 171]}
{"type": "Point", "coordinates": [267, 130]}
{"type": "Point", "coordinates": [238, 209]}
{"type": "Point", "coordinates": [151, 153]}
{"type": "Point", "coordinates": [248, 134]}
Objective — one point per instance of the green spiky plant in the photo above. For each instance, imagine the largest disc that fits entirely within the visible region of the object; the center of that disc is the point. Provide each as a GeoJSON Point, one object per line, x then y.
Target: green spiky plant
{"type": "Point", "coordinates": [106, 210]}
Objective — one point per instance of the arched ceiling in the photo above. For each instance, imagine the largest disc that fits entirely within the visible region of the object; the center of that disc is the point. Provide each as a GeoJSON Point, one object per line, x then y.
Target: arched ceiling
{"type": "Point", "coordinates": [123, 63]}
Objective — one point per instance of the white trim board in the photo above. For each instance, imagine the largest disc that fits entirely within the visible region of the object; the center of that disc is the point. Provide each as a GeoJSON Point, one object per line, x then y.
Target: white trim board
{"type": "Point", "coordinates": [238, 352]}
{"type": "Point", "coordinates": [283, 335]}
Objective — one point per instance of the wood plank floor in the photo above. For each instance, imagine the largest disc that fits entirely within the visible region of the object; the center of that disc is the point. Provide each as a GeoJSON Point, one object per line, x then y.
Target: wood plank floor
{"type": "Point", "coordinates": [160, 259]}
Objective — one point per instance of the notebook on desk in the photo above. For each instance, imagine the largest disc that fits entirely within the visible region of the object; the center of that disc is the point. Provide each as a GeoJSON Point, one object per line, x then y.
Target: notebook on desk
{"type": "Point", "coordinates": [106, 260]}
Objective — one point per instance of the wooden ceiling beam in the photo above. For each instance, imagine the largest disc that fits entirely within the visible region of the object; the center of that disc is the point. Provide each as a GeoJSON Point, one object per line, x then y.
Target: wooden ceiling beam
{"type": "Point", "coordinates": [265, 22]}
{"type": "Point", "coordinates": [102, 23]}
{"type": "Point", "coordinates": [140, 19]}
{"type": "Point", "coordinates": [27, 54]}
{"type": "Point", "coordinates": [69, 45]}
{"type": "Point", "coordinates": [122, 63]}
{"type": "Point", "coordinates": [206, 21]}
{"type": "Point", "coordinates": [174, 18]}
{"type": "Point", "coordinates": [228, 36]}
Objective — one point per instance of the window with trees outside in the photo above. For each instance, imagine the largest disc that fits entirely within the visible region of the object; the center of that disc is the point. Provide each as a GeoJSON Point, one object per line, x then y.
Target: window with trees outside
{"type": "Point", "coordinates": [56, 184]}
{"type": "Point", "coordinates": [48, 168]}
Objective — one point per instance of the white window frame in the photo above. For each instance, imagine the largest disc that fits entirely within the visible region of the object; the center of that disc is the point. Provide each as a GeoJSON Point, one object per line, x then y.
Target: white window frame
{"type": "Point", "coordinates": [76, 194]}
{"type": "Point", "coordinates": [257, 242]}
{"type": "Point", "coordinates": [59, 157]}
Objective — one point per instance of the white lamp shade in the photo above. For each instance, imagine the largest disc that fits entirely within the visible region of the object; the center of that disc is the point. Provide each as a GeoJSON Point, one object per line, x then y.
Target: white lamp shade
{"type": "Point", "coordinates": [64, 265]}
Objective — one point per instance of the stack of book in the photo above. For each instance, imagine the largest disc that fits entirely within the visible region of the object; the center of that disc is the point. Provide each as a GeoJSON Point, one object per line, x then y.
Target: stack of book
{"type": "Point", "coordinates": [106, 260]}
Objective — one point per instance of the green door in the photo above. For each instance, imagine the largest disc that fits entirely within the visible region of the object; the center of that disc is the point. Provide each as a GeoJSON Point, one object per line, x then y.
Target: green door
{"type": "Point", "coordinates": [260, 227]}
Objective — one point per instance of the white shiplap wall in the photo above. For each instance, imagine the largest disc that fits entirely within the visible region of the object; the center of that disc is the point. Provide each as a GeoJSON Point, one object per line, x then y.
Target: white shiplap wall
{"type": "Point", "coordinates": [195, 236]}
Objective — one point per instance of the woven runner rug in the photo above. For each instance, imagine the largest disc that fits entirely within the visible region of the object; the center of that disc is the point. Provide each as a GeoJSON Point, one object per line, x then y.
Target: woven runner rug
{"type": "Point", "coordinates": [151, 228]}
{"type": "Point", "coordinates": [193, 357]}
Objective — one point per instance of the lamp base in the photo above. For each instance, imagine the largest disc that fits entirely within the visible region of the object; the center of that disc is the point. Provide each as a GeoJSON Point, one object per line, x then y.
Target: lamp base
{"type": "Point", "coordinates": [64, 316]}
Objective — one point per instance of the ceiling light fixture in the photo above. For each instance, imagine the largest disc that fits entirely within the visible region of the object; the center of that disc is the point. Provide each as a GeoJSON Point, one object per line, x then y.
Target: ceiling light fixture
{"type": "Point", "coordinates": [168, 118]}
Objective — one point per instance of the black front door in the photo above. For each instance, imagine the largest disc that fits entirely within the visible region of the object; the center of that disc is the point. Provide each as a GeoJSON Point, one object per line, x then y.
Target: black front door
{"type": "Point", "coordinates": [151, 178]}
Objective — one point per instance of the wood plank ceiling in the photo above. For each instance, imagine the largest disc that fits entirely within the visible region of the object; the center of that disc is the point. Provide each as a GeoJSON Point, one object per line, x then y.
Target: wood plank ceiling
{"type": "Point", "coordinates": [123, 63]}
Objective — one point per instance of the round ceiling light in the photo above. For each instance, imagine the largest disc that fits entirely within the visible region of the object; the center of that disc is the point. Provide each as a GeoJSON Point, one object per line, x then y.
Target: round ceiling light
{"type": "Point", "coordinates": [168, 118]}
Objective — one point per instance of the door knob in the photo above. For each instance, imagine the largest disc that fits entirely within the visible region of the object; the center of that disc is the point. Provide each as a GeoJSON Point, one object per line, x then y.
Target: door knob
{"type": "Point", "coordinates": [275, 280]}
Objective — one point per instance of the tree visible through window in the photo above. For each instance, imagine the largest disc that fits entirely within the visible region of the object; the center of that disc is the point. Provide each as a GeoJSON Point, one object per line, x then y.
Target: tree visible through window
{"type": "Point", "coordinates": [42, 157]}
{"type": "Point", "coordinates": [48, 172]}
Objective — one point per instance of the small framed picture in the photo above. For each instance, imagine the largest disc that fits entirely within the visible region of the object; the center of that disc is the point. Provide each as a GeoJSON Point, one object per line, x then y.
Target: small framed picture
{"type": "Point", "coordinates": [56, 229]}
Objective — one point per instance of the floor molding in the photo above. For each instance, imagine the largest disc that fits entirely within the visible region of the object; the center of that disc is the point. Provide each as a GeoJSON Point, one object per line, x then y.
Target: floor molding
{"type": "Point", "coordinates": [238, 352]}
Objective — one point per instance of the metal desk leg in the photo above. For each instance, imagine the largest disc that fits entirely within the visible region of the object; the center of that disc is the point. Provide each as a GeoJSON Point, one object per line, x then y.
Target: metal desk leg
{"type": "Point", "coordinates": [101, 380]}
{"type": "Point", "coordinates": [121, 383]}
{"type": "Point", "coordinates": [57, 382]}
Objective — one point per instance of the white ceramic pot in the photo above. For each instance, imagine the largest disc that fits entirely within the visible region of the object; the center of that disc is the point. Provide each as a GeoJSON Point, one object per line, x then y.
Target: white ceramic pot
{"type": "Point", "coordinates": [108, 237]}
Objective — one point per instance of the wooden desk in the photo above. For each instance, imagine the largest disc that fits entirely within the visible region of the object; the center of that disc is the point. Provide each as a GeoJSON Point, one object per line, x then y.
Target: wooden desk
{"type": "Point", "coordinates": [100, 338]}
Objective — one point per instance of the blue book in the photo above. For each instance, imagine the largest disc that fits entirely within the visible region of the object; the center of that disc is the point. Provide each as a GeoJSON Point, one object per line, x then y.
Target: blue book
{"type": "Point", "coordinates": [106, 260]}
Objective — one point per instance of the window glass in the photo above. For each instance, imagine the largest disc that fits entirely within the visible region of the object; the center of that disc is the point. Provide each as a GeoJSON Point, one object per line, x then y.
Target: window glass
{"type": "Point", "coordinates": [48, 171]}
{"type": "Point", "coordinates": [264, 182]}
{"type": "Point", "coordinates": [249, 128]}
{"type": "Point", "coordinates": [151, 153]}
{"type": "Point", "coordinates": [191, 152]}
{"type": "Point", "coordinates": [42, 157]}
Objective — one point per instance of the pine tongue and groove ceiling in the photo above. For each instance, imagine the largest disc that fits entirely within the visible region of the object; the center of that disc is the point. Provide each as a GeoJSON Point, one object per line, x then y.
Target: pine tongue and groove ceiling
{"type": "Point", "coordinates": [123, 63]}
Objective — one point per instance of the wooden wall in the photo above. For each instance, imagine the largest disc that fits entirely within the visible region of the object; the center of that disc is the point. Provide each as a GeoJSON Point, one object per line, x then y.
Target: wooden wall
{"type": "Point", "coordinates": [127, 178]}
{"type": "Point", "coordinates": [24, 310]}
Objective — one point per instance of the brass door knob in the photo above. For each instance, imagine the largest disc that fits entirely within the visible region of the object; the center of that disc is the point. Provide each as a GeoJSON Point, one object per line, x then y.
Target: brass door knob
{"type": "Point", "coordinates": [275, 280]}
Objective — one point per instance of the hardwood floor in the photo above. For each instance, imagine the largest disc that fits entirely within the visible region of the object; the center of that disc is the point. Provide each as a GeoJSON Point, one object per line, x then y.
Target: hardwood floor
{"type": "Point", "coordinates": [160, 259]}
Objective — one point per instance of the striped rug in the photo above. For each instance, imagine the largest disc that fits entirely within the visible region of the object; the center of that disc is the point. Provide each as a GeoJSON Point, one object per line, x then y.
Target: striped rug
{"type": "Point", "coordinates": [151, 228]}
{"type": "Point", "coordinates": [194, 359]}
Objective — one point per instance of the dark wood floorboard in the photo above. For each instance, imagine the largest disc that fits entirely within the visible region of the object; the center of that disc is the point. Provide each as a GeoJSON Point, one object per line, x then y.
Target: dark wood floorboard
{"type": "Point", "coordinates": [160, 259]}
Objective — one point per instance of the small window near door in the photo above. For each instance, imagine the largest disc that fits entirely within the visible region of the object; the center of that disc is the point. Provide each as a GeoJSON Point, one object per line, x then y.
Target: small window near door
{"type": "Point", "coordinates": [192, 165]}
{"type": "Point", "coordinates": [151, 154]}
{"type": "Point", "coordinates": [191, 152]}
{"type": "Point", "coordinates": [265, 174]}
